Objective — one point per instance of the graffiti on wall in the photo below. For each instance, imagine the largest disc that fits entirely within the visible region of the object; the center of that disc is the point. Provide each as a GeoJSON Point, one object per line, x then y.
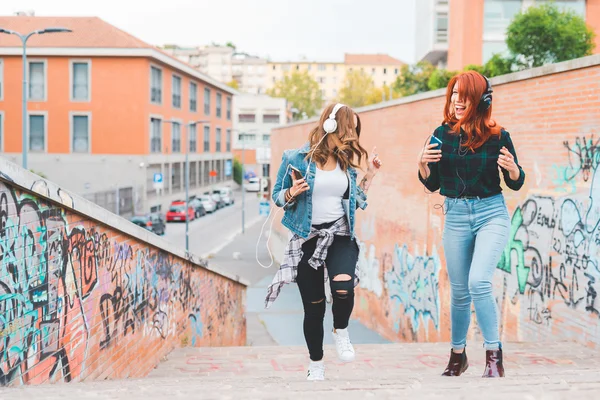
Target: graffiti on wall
{"type": "Point", "coordinates": [369, 269]}
{"type": "Point", "coordinates": [413, 282]}
{"type": "Point", "coordinates": [68, 288]}
{"type": "Point", "coordinates": [553, 252]}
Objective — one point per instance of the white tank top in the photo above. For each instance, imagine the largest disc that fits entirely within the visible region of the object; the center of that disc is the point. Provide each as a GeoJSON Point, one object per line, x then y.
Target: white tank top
{"type": "Point", "coordinates": [328, 191]}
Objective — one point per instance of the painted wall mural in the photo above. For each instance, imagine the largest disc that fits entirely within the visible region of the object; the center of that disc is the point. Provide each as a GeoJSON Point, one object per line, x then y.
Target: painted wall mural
{"type": "Point", "coordinates": [77, 296]}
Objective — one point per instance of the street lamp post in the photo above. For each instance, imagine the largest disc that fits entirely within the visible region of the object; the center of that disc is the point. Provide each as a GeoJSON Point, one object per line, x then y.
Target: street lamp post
{"type": "Point", "coordinates": [24, 39]}
{"type": "Point", "coordinates": [187, 177]}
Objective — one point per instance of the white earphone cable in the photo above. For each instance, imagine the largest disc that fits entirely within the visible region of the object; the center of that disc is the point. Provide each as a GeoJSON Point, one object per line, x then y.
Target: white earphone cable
{"type": "Point", "coordinates": [269, 215]}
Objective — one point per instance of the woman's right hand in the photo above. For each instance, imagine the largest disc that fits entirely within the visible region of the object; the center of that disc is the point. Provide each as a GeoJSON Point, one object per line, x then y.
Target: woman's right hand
{"type": "Point", "coordinates": [429, 155]}
{"type": "Point", "coordinates": [299, 186]}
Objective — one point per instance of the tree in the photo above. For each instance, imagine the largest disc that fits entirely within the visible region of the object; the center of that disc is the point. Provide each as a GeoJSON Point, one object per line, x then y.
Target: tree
{"type": "Point", "coordinates": [230, 44]}
{"type": "Point", "coordinates": [237, 171]}
{"type": "Point", "coordinates": [383, 93]}
{"type": "Point", "coordinates": [301, 91]}
{"type": "Point", "coordinates": [440, 78]}
{"type": "Point", "coordinates": [545, 34]}
{"type": "Point", "coordinates": [357, 88]}
{"type": "Point", "coordinates": [233, 84]}
{"type": "Point", "coordinates": [414, 78]}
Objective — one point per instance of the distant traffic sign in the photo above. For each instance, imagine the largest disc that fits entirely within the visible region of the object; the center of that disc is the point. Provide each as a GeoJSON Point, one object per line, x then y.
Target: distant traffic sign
{"type": "Point", "coordinates": [213, 173]}
{"type": "Point", "coordinates": [158, 177]}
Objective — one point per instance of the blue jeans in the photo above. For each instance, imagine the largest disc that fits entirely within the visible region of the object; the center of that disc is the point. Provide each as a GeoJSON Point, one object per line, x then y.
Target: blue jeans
{"type": "Point", "coordinates": [475, 235]}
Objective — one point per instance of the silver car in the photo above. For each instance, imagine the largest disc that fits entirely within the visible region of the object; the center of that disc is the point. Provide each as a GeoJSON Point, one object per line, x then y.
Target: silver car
{"type": "Point", "coordinates": [209, 204]}
{"type": "Point", "coordinates": [226, 195]}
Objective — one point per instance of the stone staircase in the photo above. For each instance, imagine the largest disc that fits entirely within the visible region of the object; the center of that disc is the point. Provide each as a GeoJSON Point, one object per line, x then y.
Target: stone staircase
{"type": "Point", "coordinates": [534, 371]}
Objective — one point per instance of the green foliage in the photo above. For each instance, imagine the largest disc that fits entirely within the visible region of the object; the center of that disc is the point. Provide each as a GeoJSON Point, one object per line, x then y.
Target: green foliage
{"type": "Point", "coordinates": [546, 34]}
{"type": "Point", "coordinates": [301, 91]}
{"type": "Point", "coordinates": [440, 78]}
{"type": "Point", "coordinates": [414, 78]}
{"type": "Point", "coordinates": [237, 171]}
{"type": "Point", "coordinates": [357, 89]}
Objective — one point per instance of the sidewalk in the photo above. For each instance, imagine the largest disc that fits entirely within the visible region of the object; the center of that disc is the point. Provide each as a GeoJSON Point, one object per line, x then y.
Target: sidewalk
{"type": "Point", "coordinates": [282, 323]}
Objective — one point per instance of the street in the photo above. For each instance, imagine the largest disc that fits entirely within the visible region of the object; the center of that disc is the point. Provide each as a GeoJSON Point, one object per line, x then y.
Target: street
{"type": "Point", "coordinates": [209, 233]}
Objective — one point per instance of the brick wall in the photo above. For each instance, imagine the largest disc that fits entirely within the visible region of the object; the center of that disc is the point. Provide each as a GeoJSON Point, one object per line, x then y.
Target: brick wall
{"type": "Point", "coordinates": [547, 284]}
{"type": "Point", "coordinates": [81, 299]}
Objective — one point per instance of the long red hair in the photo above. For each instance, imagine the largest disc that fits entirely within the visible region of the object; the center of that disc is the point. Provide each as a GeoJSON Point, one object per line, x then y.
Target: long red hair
{"type": "Point", "coordinates": [477, 125]}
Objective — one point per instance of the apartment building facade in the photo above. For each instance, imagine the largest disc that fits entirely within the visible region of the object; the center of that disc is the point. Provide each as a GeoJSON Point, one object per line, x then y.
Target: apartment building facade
{"type": "Point", "coordinates": [107, 111]}
{"type": "Point", "coordinates": [254, 118]}
{"type": "Point", "coordinates": [331, 76]}
{"type": "Point", "coordinates": [457, 33]}
{"type": "Point", "coordinates": [224, 64]}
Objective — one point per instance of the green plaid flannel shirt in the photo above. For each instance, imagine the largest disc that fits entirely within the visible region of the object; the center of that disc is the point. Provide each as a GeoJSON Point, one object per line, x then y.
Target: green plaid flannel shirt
{"type": "Point", "coordinates": [463, 173]}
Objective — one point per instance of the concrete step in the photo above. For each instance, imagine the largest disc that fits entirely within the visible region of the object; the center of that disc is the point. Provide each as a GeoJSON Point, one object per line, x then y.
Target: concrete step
{"type": "Point", "coordinates": [534, 371]}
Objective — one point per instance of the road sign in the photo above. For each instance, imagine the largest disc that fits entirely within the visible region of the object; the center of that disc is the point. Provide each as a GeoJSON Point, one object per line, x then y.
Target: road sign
{"type": "Point", "coordinates": [228, 168]}
{"type": "Point", "coordinates": [263, 208]}
{"type": "Point", "coordinates": [213, 173]}
{"type": "Point", "coordinates": [158, 181]}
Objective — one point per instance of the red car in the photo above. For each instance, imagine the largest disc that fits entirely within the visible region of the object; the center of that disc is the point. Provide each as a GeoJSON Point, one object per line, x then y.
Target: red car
{"type": "Point", "coordinates": [177, 212]}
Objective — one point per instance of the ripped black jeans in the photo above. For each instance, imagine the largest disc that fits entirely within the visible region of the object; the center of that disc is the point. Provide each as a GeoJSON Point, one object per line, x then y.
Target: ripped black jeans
{"type": "Point", "coordinates": [342, 257]}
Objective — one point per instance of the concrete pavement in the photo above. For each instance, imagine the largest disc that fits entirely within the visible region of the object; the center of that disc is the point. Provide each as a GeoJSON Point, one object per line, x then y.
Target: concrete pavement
{"type": "Point", "coordinates": [534, 371]}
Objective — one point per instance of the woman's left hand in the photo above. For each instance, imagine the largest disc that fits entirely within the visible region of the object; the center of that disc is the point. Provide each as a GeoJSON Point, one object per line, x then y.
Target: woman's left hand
{"type": "Point", "coordinates": [507, 162]}
{"type": "Point", "coordinates": [374, 162]}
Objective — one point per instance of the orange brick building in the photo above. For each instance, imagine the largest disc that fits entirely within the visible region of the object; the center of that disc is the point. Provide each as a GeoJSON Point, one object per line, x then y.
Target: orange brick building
{"type": "Point", "coordinates": [106, 111]}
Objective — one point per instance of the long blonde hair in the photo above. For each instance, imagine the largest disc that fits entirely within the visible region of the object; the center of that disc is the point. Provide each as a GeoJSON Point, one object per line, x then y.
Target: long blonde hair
{"type": "Point", "coordinates": [343, 143]}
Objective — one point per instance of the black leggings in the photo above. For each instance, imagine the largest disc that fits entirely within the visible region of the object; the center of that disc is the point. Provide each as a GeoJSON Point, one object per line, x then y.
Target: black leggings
{"type": "Point", "coordinates": [342, 257]}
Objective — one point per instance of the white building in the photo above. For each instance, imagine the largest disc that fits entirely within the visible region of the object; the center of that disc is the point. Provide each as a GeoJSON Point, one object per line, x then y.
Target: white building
{"type": "Point", "coordinates": [254, 116]}
{"type": "Point", "coordinates": [250, 72]}
{"type": "Point", "coordinates": [432, 31]}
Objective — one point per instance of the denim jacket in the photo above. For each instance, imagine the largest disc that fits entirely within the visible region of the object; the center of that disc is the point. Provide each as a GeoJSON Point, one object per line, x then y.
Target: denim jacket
{"type": "Point", "coordinates": [298, 213]}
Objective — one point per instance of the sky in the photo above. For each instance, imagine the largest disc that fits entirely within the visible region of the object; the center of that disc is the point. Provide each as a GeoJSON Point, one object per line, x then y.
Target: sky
{"type": "Point", "coordinates": [281, 30]}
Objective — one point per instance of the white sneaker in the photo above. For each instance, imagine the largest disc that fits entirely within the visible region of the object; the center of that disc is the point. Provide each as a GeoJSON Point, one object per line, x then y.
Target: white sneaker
{"type": "Point", "coordinates": [343, 346]}
{"type": "Point", "coordinates": [316, 371]}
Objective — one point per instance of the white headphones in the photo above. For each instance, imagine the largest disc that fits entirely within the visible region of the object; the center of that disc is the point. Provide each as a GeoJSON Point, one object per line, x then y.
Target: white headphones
{"type": "Point", "coordinates": [330, 124]}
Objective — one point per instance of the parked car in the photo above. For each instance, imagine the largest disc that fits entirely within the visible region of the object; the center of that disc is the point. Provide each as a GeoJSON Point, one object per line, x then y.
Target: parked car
{"type": "Point", "coordinates": [153, 222]}
{"type": "Point", "coordinates": [208, 203]}
{"type": "Point", "coordinates": [253, 184]}
{"type": "Point", "coordinates": [198, 207]}
{"type": "Point", "coordinates": [177, 212]}
{"type": "Point", "coordinates": [226, 195]}
{"type": "Point", "coordinates": [216, 196]}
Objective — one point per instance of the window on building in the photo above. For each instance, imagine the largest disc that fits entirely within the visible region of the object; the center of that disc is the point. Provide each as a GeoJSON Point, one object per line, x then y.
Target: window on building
{"type": "Point", "coordinates": [219, 104]}
{"type": "Point", "coordinates": [286, 67]}
{"type": "Point", "coordinates": [228, 140]}
{"type": "Point", "coordinates": [297, 68]}
{"type": "Point", "coordinates": [193, 97]}
{"type": "Point", "coordinates": [372, 71]}
{"type": "Point", "coordinates": [497, 15]}
{"type": "Point", "coordinates": [156, 85]}
{"type": "Point", "coordinates": [395, 71]}
{"type": "Point", "coordinates": [155, 135]}
{"type": "Point", "coordinates": [247, 118]}
{"type": "Point", "coordinates": [321, 80]}
{"type": "Point", "coordinates": [385, 71]}
{"type": "Point", "coordinates": [266, 139]}
{"type": "Point", "coordinates": [176, 91]}
{"type": "Point", "coordinates": [37, 81]}
{"type": "Point", "coordinates": [80, 136]}
{"type": "Point", "coordinates": [1, 79]}
{"type": "Point", "coordinates": [247, 137]}
{"type": "Point", "coordinates": [37, 133]}
{"type": "Point", "coordinates": [207, 138]}
{"type": "Point", "coordinates": [193, 140]}
{"type": "Point", "coordinates": [176, 137]}
{"type": "Point", "coordinates": [80, 85]}
{"type": "Point", "coordinates": [271, 118]}
{"type": "Point", "coordinates": [274, 67]}
{"type": "Point", "coordinates": [309, 67]}
{"type": "Point", "coordinates": [229, 108]}
{"type": "Point", "coordinates": [218, 139]}
{"type": "Point", "coordinates": [441, 27]}
{"type": "Point", "coordinates": [207, 101]}
{"type": "Point", "coordinates": [1, 132]}
{"type": "Point", "coordinates": [321, 67]}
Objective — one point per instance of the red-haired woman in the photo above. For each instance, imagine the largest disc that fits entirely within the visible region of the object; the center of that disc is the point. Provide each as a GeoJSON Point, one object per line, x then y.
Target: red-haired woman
{"type": "Point", "coordinates": [465, 168]}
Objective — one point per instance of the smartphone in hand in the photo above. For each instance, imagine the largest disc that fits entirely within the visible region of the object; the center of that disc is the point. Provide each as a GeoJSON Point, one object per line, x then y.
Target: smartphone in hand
{"type": "Point", "coordinates": [298, 175]}
{"type": "Point", "coordinates": [435, 141]}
